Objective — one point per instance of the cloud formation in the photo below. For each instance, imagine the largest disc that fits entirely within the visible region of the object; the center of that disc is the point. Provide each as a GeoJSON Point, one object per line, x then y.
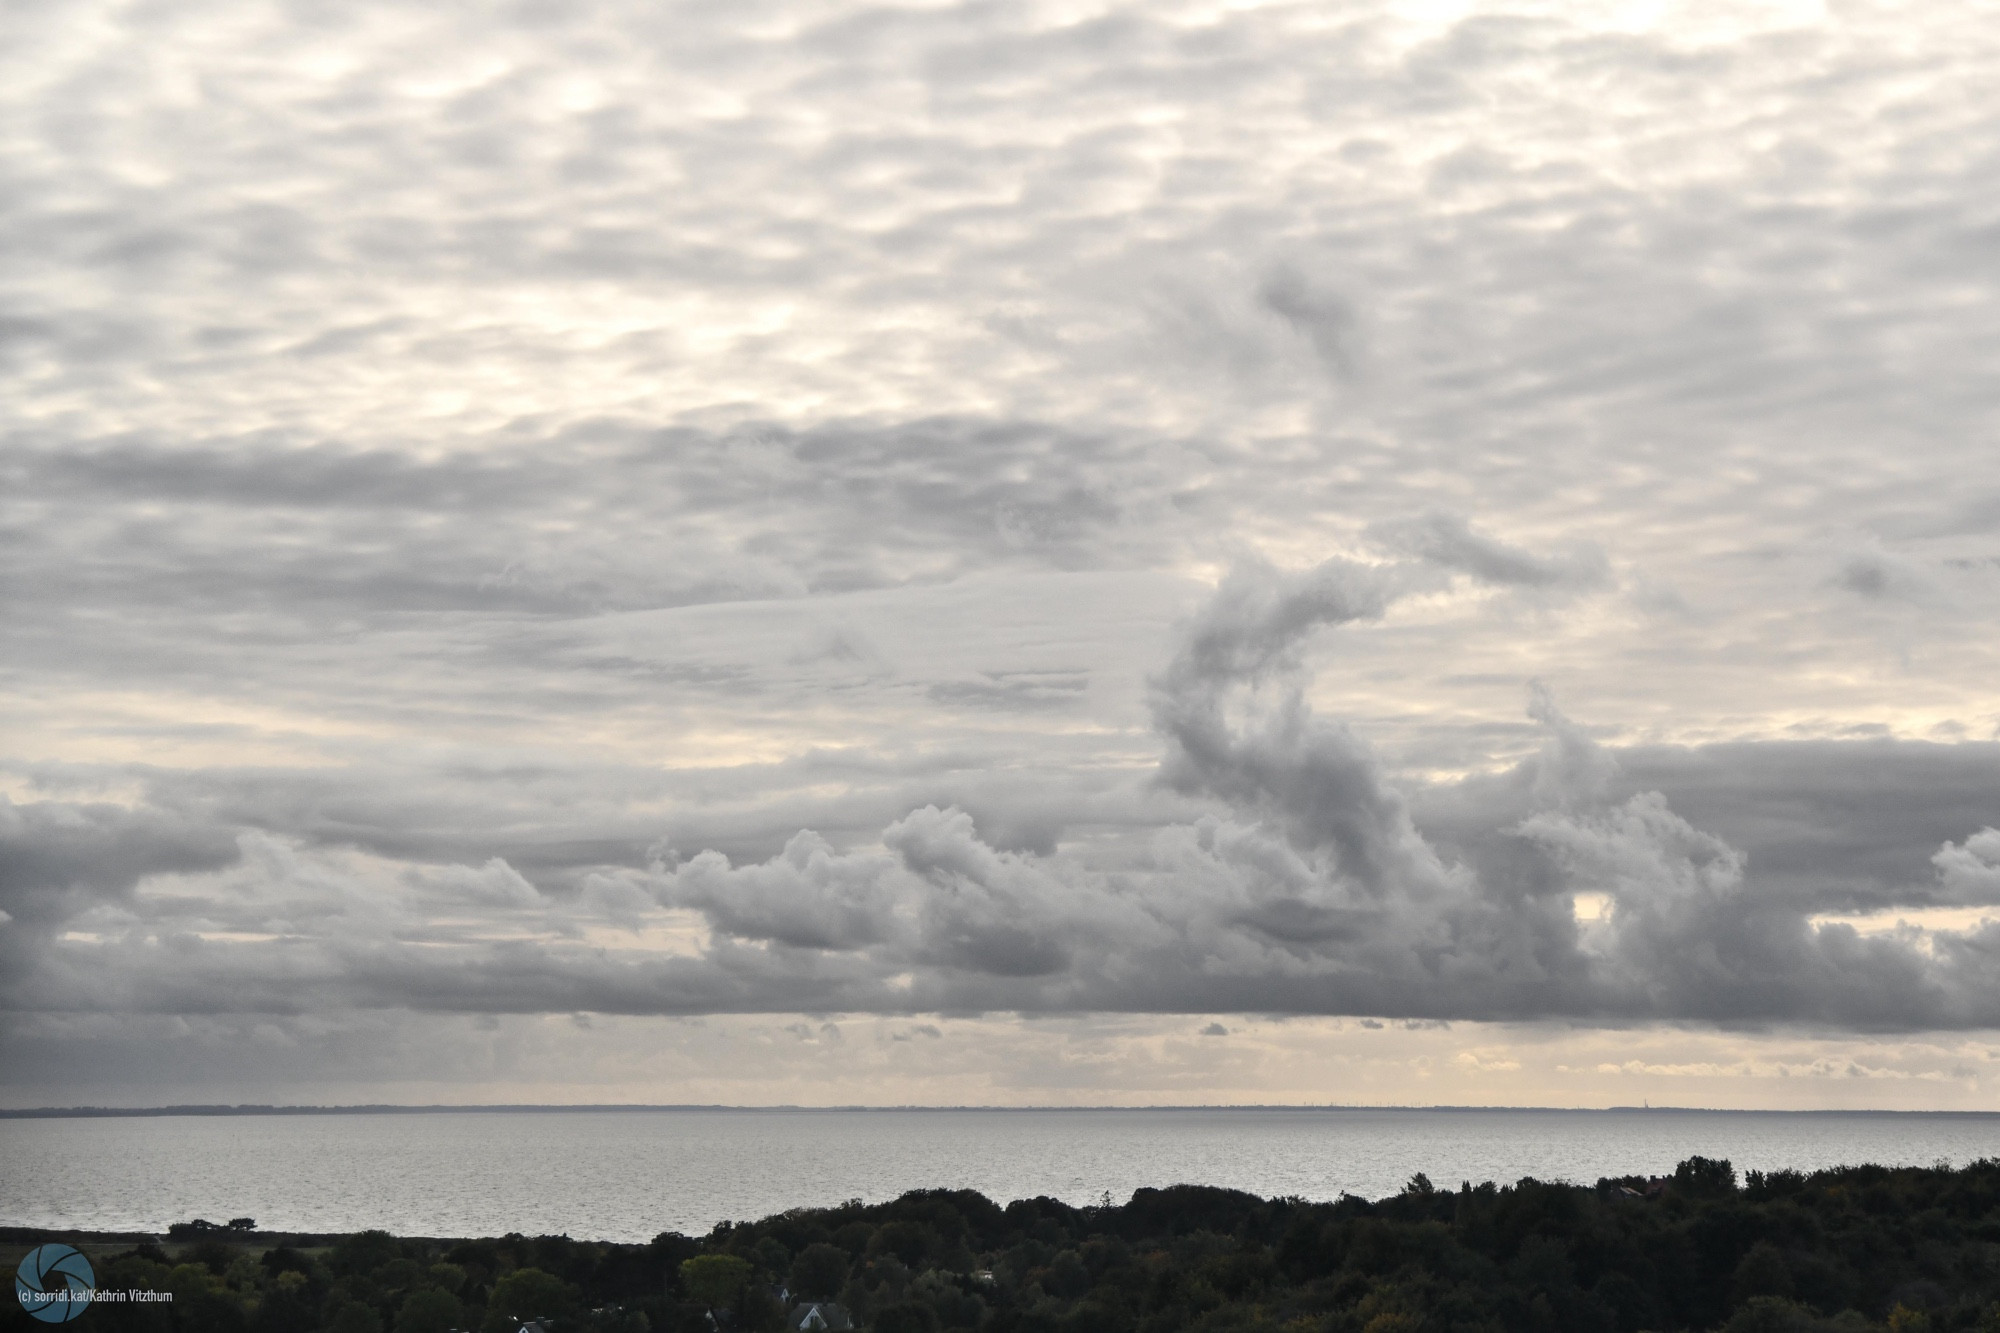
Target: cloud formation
{"type": "Point", "coordinates": [1316, 892]}
{"type": "Point", "coordinates": [1306, 886]}
{"type": "Point", "coordinates": [474, 488]}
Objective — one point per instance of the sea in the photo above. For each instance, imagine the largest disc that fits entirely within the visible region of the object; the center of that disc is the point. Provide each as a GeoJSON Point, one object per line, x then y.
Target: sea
{"type": "Point", "coordinates": [629, 1174]}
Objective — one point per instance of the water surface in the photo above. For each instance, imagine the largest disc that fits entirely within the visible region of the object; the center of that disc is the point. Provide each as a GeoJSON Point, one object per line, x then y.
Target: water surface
{"type": "Point", "coordinates": [628, 1175]}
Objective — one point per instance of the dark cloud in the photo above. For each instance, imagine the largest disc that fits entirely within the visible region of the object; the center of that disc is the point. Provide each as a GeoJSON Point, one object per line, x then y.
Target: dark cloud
{"type": "Point", "coordinates": [1824, 826]}
{"type": "Point", "coordinates": [58, 861]}
{"type": "Point", "coordinates": [1312, 887]}
{"type": "Point", "coordinates": [55, 858]}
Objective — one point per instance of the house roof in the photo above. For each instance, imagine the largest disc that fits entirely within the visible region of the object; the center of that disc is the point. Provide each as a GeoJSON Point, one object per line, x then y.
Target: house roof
{"type": "Point", "coordinates": [818, 1316]}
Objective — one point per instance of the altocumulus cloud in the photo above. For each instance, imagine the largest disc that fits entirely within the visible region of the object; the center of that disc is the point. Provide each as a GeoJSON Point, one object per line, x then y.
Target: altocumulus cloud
{"type": "Point", "coordinates": [822, 507]}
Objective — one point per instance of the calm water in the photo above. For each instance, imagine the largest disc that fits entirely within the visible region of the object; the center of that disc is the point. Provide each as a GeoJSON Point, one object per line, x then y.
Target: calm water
{"type": "Point", "coordinates": [627, 1175]}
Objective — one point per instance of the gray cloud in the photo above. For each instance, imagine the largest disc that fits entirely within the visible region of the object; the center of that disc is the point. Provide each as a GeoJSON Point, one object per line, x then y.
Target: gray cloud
{"type": "Point", "coordinates": [450, 462]}
{"type": "Point", "coordinates": [1824, 826]}
{"type": "Point", "coordinates": [56, 858]}
{"type": "Point", "coordinates": [1448, 540]}
{"type": "Point", "coordinates": [1319, 315]}
{"type": "Point", "coordinates": [611, 519]}
{"type": "Point", "coordinates": [1970, 871]}
{"type": "Point", "coordinates": [1309, 888]}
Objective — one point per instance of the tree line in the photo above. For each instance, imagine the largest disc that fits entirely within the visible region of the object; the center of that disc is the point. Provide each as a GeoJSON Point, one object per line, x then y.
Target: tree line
{"type": "Point", "coordinates": [1847, 1250]}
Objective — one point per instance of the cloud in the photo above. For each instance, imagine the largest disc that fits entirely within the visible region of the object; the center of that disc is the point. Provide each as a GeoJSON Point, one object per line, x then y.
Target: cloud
{"type": "Point", "coordinates": [1879, 575]}
{"type": "Point", "coordinates": [808, 896]}
{"type": "Point", "coordinates": [1828, 826]}
{"type": "Point", "coordinates": [656, 518]}
{"type": "Point", "coordinates": [1318, 314]}
{"type": "Point", "coordinates": [1448, 540]}
{"type": "Point", "coordinates": [1309, 887]}
{"type": "Point", "coordinates": [57, 858]}
{"type": "Point", "coordinates": [440, 468]}
{"type": "Point", "coordinates": [1970, 871]}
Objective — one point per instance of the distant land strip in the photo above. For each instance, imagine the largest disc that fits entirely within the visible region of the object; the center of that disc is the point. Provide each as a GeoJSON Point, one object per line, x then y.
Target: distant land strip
{"type": "Point", "coordinates": [128, 1112]}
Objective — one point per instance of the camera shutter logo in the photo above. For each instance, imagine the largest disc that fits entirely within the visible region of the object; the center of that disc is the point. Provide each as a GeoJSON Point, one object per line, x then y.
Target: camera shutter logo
{"type": "Point", "coordinates": [54, 1283]}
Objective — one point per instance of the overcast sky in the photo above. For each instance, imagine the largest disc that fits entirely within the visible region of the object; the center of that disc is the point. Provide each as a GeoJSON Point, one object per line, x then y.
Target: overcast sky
{"type": "Point", "coordinates": [1000, 553]}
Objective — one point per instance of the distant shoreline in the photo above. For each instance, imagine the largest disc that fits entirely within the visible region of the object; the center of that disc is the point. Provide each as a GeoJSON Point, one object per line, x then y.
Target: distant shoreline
{"type": "Point", "coordinates": [132, 1112]}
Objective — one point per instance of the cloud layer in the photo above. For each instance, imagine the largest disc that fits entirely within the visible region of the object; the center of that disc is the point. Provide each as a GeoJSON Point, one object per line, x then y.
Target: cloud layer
{"type": "Point", "coordinates": [1307, 887]}
{"type": "Point", "coordinates": [821, 508]}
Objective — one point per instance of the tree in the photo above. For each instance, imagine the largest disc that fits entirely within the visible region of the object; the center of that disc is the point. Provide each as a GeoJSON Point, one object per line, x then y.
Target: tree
{"type": "Point", "coordinates": [355, 1318]}
{"type": "Point", "coordinates": [716, 1280]}
{"type": "Point", "coordinates": [429, 1311]}
{"type": "Point", "coordinates": [1763, 1272]}
{"type": "Point", "coordinates": [529, 1293]}
{"type": "Point", "coordinates": [363, 1252]}
{"type": "Point", "coordinates": [819, 1271]}
{"type": "Point", "coordinates": [907, 1317]}
{"type": "Point", "coordinates": [1705, 1176]}
{"type": "Point", "coordinates": [908, 1241]}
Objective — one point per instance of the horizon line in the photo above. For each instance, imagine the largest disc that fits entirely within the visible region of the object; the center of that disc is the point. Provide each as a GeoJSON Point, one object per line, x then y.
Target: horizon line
{"type": "Point", "coordinates": [439, 1108]}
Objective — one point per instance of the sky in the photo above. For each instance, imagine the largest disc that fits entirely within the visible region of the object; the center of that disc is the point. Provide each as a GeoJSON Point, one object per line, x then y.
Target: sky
{"type": "Point", "coordinates": [1402, 552]}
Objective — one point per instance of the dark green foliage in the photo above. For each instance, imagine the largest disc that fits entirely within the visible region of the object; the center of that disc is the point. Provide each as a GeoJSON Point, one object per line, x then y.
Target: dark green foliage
{"type": "Point", "coordinates": [528, 1293]}
{"type": "Point", "coordinates": [1705, 1177]}
{"type": "Point", "coordinates": [286, 1308]}
{"type": "Point", "coordinates": [716, 1280]}
{"type": "Point", "coordinates": [819, 1272]}
{"type": "Point", "coordinates": [355, 1318]}
{"type": "Point", "coordinates": [210, 1254]}
{"type": "Point", "coordinates": [908, 1241]}
{"type": "Point", "coordinates": [1855, 1250]}
{"type": "Point", "coordinates": [906, 1317]}
{"type": "Point", "coordinates": [283, 1259]}
{"type": "Point", "coordinates": [363, 1252]}
{"type": "Point", "coordinates": [429, 1311]}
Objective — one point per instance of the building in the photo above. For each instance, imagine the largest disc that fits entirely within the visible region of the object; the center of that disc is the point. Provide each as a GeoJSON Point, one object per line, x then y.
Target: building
{"type": "Point", "coordinates": [818, 1317]}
